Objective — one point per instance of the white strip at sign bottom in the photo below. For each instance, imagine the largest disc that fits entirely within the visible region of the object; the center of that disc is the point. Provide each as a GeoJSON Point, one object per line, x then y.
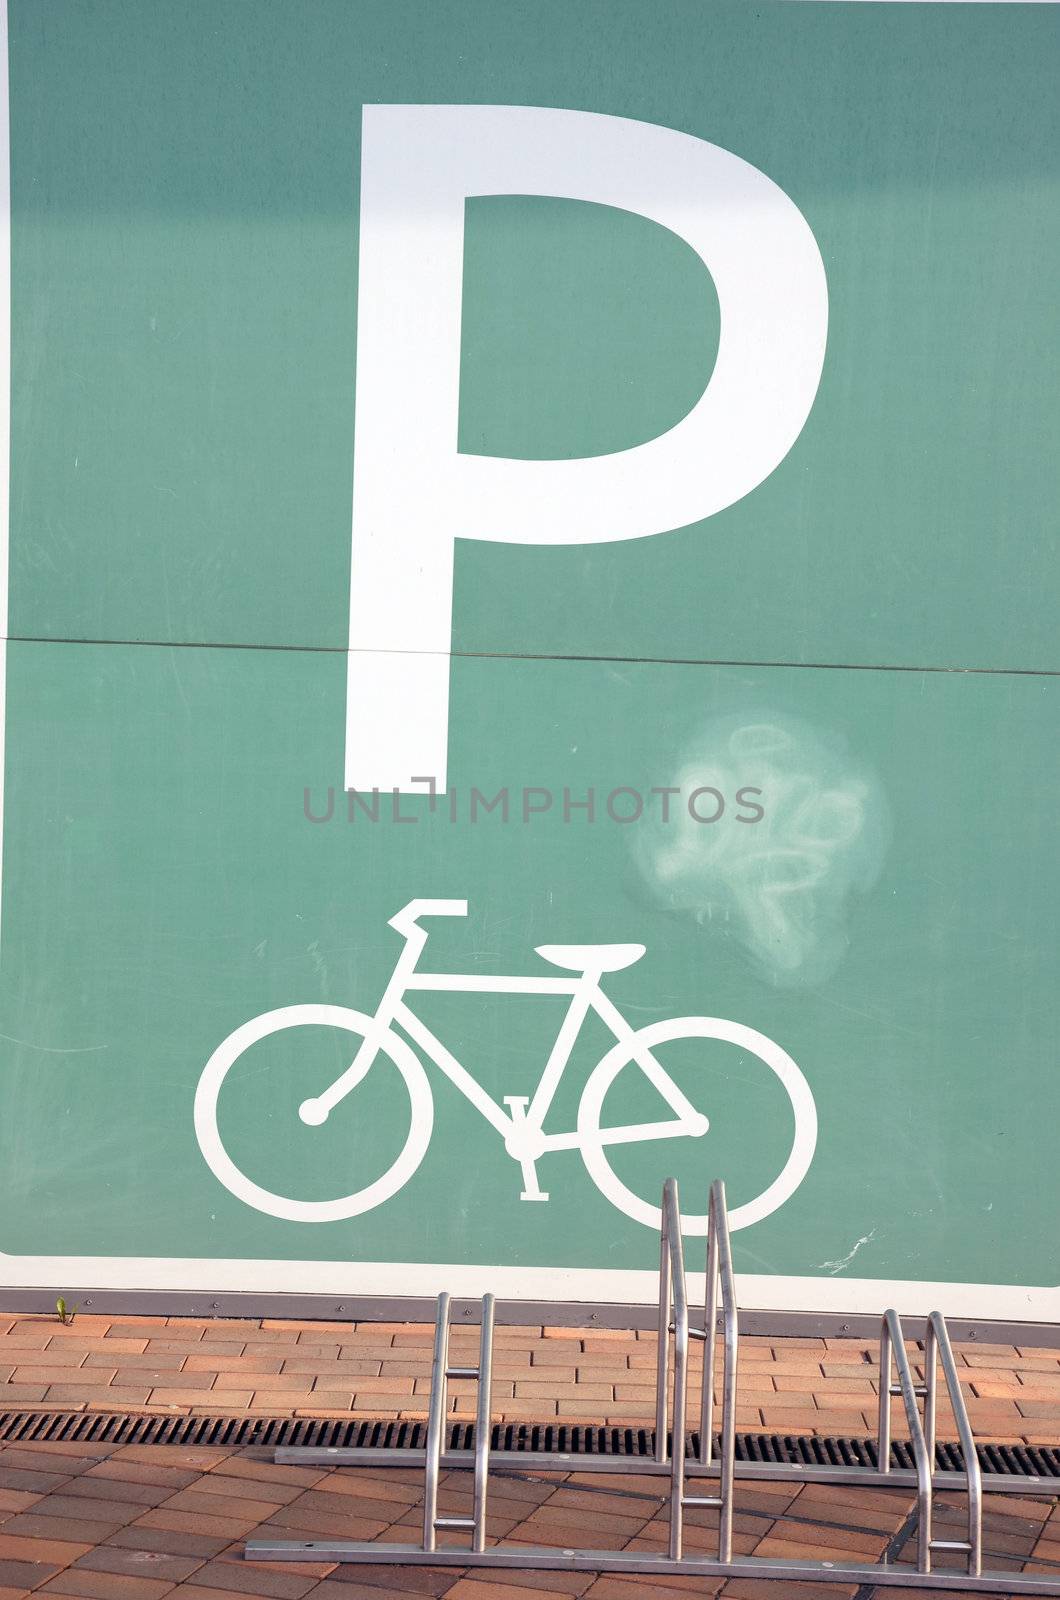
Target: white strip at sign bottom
{"type": "Point", "coordinates": [360, 1280]}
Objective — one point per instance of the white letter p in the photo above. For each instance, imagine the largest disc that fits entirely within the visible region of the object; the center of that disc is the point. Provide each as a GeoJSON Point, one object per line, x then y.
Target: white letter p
{"type": "Point", "coordinates": [414, 494]}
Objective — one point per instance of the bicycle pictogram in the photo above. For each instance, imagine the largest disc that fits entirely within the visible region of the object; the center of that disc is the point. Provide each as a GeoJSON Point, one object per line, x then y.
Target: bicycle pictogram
{"type": "Point", "coordinates": [522, 1125]}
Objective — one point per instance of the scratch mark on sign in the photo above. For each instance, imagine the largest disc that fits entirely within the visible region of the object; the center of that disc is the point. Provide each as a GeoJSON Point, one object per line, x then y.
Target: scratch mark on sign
{"type": "Point", "coordinates": [320, 966]}
{"type": "Point", "coordinates": [54, 1050]}
{"type": "Point", "coordinates": [841, 1265]}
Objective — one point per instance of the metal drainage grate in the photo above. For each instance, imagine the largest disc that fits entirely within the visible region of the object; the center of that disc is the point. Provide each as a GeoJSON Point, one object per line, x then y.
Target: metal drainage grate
{"type": "Point", "coordinates": [530, 1438]}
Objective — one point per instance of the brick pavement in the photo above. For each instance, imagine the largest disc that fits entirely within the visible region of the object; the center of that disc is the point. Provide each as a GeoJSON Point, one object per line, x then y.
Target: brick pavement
{"type": "Point", "coordinates": [137, 1522]}
{"type": "Point", "coordinates": [372, 1369]}
{"type": "Point", "coordinates": [141, 1522]}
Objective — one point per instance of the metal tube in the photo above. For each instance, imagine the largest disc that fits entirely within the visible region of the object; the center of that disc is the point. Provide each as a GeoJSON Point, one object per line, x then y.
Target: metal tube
{"type": "Point", "coordinates": [382, 1458]}
{"type": "Point", "coordinates": [931, 1395]}
{"type": "Point", "coordinates": [916, 1435]}
{"type": "Point", "coordinates": [435, 1423]}
{"type": "Point", "coordinates": [672, 1228]}
{"type": "Point", "coordinates": [651, 1564]}
{"type": "Point", "coordinates": [883, 1431]}
{"type": "Point", "coordinates": [719, 1229]}
{"type": "Point", "coordinates": [710, 1330]}
{"type": "Point", "coordinates": [483, 1423]}
{"type": "Point", "coordinates": [939, 1335]}
{"type": "Point", "coordinates": [662, 1355]}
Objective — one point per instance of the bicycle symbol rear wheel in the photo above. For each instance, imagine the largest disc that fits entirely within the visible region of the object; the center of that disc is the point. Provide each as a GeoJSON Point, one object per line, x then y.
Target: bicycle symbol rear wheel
{"type": "Point", "coordinates": [394, 1048]}
{"type": "Point", "coordinates": [594, 1145]}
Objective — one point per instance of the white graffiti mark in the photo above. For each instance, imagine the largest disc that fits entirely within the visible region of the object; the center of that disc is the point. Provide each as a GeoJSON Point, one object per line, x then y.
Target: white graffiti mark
{"type": "Point", "coordinates": [780, 888]}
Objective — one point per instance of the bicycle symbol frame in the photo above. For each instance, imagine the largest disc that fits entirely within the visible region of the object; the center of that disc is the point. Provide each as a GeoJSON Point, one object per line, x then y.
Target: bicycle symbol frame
{"type": "Point", "coordinates": [522, 1126]}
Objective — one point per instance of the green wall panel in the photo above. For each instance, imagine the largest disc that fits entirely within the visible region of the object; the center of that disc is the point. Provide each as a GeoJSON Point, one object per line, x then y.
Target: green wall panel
{"type": "Point", "coordinates": [862, 646]}
{"type": "Point", "coordinates": [887, 922]}
{"type": "Point", "coordinates": [185, 275]}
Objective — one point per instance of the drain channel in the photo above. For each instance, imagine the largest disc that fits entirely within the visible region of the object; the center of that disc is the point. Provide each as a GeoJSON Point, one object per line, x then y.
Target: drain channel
{"type": "Point", "coordinates": [529, 1438]}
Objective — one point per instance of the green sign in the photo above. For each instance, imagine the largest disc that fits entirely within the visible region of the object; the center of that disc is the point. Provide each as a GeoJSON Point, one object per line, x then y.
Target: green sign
{"type": "Point", "coordinates": [531, 585]}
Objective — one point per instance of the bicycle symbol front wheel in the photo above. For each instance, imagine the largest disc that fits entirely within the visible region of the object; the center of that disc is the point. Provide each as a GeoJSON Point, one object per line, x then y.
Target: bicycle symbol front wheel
{"type": "Point", "coordinates": [391, 1046]}
{"type": "Point", "coordinates": [594, 1143]}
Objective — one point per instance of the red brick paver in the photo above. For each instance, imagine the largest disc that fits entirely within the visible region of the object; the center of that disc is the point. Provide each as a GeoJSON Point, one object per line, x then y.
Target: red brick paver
{"type": "Point", "coordinates": [283, 1368]}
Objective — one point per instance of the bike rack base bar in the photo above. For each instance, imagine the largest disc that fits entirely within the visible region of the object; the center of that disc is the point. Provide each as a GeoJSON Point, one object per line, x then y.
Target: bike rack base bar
{"type": "Point", "coordinates": [882, 1575]}
{"type": "Point", "coordinates": [751, 1471]}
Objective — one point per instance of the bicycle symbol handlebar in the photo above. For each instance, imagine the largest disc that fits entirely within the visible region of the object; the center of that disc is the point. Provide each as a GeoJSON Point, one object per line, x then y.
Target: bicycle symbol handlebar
{"type": "Point", "coordinates": [406, 919]}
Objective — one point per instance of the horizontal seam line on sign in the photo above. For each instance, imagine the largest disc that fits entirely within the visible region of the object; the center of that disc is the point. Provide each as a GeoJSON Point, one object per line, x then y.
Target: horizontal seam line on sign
{"type": "Point", "coordinates": [527, 655]}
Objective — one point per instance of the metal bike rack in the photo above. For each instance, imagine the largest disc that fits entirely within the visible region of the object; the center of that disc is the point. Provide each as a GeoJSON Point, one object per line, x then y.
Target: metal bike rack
{"type": "Point", "coordinates": [680, 1464]}
{"type": "Point", "coordinates": [441, 1372]}
{"type": "Point", "coordinates": [673, 1299]}
{"type": "Point", "coordinates": [922, 1433]}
